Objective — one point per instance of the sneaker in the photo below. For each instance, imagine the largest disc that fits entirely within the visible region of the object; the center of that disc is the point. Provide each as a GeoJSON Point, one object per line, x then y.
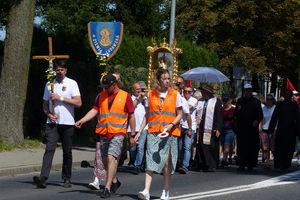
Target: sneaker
{"type": "Point", "coordinates": [182, 170]}
{"type": "Point", "coordinates": [94, 185]}
{"type": "Point", "coordinates": [144, 195]}
{"type": "Point", "coordinates": [40, 182]}
{"type": "Point", "coordinates": [298, 161]}
{"type": "Point", "coordinates": [136, 170]}
{"type": "Point", "coordinates": [249, 169]}
{"type": "Point", "coordinates": [105, 194]}
{"type": "Point", "coordinates": [115, 186]}
{"type": "Point", "coordinates": [164, 195]}
{"type": "Point", "coordinates": [241, 169]}
{"type": "Point", "coordinates": [67, 183]}
{"type": "Point", "coordinates": [225, 163]}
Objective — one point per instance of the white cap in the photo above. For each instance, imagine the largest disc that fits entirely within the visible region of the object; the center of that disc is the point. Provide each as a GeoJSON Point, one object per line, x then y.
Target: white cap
{"type": "Point", "coordinates": [142, 84]}
{"type": "Point", "coordinates": [247, 86]}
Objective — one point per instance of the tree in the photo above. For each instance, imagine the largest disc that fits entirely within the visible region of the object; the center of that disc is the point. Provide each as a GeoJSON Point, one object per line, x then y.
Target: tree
{"type": "Point", "coordinates": [141, 17]}
{"type": "Point", "coordinates": [67, 20]}
{"type": "Point", "coordinates": [264, 34]}
{"type": "Point", "coordinates": [14, 75]}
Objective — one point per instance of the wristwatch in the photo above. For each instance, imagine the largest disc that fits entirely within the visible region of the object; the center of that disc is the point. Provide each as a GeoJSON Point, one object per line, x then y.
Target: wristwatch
{"type": "Point", "coordinates": [61, 98]}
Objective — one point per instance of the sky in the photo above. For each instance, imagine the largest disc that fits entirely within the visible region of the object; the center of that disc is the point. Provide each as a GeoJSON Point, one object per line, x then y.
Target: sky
{"type": "Point", "coordinates": [2, 34]}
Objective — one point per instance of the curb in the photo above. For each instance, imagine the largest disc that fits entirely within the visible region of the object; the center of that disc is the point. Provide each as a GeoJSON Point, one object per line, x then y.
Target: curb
{"type": "Point", "coordinates": [37, 168]}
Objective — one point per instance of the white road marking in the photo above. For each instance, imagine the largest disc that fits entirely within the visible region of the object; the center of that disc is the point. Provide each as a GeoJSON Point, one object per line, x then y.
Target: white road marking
{"type": "Point", "coordinates": [289, 178]}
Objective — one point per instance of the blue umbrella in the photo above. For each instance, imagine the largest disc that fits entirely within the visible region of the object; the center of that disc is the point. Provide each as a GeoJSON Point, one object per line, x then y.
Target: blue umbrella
{"type": "Point", "coordinates": [204, 74]}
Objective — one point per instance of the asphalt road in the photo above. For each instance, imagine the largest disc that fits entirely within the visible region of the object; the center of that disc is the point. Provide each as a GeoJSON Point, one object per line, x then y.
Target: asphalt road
{"type": "Point", "coordinates": [225, 184]}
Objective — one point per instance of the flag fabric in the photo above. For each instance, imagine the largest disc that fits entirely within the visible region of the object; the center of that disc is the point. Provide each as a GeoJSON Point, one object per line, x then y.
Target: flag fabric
{"type": "Point", "coordinates": [188, 83]}
{"type": "Point", "coordinates": [289, 85]}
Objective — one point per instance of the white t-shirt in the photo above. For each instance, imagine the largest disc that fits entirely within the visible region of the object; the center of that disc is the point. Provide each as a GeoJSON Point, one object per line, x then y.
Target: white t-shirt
{"type": "Point", "coordinates": [139, 113]}
{"type": "Point", "coordinates": [191, 102]}
{"type": "Point", "coordinates": [68, 88]}
{"type": "Point", "coordinates": [267, 116]}
{"type": "Point", "coordinates": [185, 110]}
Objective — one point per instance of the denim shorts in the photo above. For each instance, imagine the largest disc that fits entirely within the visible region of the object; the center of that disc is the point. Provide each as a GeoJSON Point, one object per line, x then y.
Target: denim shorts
{"type": "Point", "coordinates": [111, 146]}
{"type": "Point", "coordinates": [227, 137]}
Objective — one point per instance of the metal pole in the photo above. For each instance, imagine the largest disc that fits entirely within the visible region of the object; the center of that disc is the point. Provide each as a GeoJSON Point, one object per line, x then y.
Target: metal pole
{"type": "Point", "coordinates": [172, 33]}
{"type": "Point", "coordinates": [172, 24]}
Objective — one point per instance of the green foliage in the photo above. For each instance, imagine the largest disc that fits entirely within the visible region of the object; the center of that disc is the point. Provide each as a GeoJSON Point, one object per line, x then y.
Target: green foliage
{"type": "Point", "coordinates": [132, 59]}
{"type": "Point", "coordinates": [195, 56]}
{"type": "Point", "coordinates": [132, 52]}
{"type": "Point", "coordinates": [71, 16]}
{"type": "Point", "coordinates": [68, 19]}
{"type": "Point", "coordinates": [5, 146]}
{"type": "Point", "coordinates": [28, 144]}
{"type": "Point", "coordinates": [143, 18]}
{"type": "Point", "coordinates": [130, 75]}
{"type": "Point", "coordinates": [4, 9]}
{"type": "Point", "coordinates": [246, 57]}
{"type": "Point", "coordinates": [260, 35]}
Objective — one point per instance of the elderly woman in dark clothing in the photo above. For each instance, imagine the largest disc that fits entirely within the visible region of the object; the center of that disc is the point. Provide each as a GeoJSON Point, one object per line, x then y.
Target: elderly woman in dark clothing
{"type": "Point", "coordinates": [286, 116]}
{"type": "Point", "coordinates": [248, 115]}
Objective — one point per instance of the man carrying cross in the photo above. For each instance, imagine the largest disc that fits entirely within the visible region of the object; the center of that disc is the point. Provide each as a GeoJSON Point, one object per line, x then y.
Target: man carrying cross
{"type": "Point", "coordinates": [60, 123]}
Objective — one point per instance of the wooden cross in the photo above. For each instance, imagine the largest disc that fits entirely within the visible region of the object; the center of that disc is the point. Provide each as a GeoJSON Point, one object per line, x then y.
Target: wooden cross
{"type": "Point", "coordinates": [51, 57]}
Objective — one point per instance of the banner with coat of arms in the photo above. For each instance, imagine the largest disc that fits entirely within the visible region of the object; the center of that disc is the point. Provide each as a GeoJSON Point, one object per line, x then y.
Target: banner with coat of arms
{"type": "Point", "coordinates": [105, 38]}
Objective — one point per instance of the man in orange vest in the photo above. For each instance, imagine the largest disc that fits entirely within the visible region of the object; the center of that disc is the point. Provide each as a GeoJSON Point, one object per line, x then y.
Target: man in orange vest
{"type": "Point", "coordinates": [114, 110]}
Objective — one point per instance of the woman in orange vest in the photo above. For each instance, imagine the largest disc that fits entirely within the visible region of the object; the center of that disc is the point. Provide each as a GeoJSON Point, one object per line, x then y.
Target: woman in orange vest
{"type": "Point", "coordinates": [164, 112]}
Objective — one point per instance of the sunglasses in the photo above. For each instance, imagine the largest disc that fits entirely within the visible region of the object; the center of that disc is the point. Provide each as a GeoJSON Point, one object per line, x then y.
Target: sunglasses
{"type": "Point", "coordinates": [186, 91]}
{"type": "Point", "coordinates": [269, 99]}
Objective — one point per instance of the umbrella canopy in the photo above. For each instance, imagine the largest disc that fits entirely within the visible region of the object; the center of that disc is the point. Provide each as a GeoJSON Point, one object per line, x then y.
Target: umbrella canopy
{"type": "Point", "coordinates": [205, 74]}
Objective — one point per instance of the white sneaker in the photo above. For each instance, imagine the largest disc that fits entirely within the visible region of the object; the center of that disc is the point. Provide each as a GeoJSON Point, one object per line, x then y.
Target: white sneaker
{"type": "Point", "coordinates": [298, 161]}
{"type": "Point", "coordinates": [94, 185]}
{"type": "Point", "coordinates": [164, 195]}
{"type": "Point", "coordinates": [144, 195]}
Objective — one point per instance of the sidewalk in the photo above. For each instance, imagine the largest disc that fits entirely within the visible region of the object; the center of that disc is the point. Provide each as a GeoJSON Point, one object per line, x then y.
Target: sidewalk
{"type": "Point", "coordinates": [30, 160]}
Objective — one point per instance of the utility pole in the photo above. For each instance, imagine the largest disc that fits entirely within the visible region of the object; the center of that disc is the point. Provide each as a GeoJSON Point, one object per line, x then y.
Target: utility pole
{"type": "Point", "coordinates": [172, 33]}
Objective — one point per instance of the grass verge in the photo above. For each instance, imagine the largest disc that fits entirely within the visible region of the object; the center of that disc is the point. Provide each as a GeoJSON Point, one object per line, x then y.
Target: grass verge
{"type": "Point", "coordinates": [28, 144]}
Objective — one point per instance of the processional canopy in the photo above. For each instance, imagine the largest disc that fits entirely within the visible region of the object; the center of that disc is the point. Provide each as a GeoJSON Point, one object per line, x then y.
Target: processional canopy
{"type": "Point", "coordinates": [163, 61]}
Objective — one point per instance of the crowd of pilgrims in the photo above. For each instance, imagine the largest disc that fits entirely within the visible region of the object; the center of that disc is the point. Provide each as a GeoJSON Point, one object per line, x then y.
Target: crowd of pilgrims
{"type": "Point", "coordinates": [241, 129]}
{"type": "Point", "coordinates": [195, 129]}
{"type": "Point", "coordinates": [172, 127]}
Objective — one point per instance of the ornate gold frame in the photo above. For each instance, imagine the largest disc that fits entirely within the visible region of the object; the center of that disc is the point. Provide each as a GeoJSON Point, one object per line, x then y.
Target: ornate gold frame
{"type": "Point", "coordinates": [163, 48]}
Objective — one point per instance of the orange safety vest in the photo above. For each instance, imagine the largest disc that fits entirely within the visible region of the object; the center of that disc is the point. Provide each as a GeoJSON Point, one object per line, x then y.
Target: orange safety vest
{"type": "Point", "coordinates": [162, 115]}
{"type": "Point", "coordinates": [114, 120]}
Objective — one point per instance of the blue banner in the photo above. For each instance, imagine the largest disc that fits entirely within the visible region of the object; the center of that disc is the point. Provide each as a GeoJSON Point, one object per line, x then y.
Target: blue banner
{"type": "Point", "coordinates": [105, 37]}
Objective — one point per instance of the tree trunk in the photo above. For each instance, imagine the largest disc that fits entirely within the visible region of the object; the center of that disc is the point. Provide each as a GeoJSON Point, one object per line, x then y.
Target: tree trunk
{"type": "Point", "coordinates": [14, 74]}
